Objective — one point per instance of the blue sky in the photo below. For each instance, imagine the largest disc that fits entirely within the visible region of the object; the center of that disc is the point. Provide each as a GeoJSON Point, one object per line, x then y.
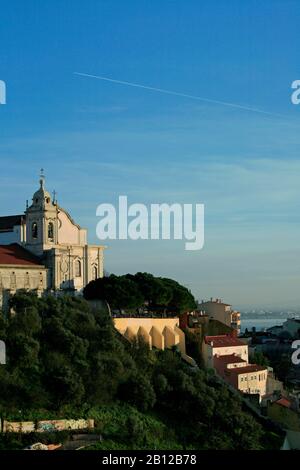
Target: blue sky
{"type": "Point", "coordinates": [97, 140]}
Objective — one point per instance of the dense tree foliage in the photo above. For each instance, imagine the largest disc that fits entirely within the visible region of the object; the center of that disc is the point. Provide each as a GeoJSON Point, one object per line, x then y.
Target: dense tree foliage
{"type": "Point", "coordinates": [140, 290]}
{"type": "Point", "coordinates": [63, 355]}
{"type": "Point", "coordinates": [259, 358]}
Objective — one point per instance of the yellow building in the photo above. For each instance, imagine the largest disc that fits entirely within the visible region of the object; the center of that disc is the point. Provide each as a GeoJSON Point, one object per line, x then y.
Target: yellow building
{"type": "Point", "coordinates": [218, 310]}
{"type": "Point", "coordinates": [160, 333]}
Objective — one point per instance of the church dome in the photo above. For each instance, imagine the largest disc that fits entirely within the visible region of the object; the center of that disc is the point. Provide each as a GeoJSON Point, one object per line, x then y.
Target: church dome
{"type": "Point", "coordinates": [41, 195]}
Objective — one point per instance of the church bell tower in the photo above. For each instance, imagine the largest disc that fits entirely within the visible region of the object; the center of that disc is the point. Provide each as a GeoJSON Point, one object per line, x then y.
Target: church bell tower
{"type": "Point", "coordinates": [41, 221]}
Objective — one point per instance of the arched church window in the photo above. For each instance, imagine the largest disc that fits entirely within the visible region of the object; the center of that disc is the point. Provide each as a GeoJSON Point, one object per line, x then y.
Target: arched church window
{"type": "Point", "coordinates": [34, 230]}
{"type": "Point", "coordinates": [77, 268]}
{"type": "Point", "coordinates": [95, 273]}
{"type": "Point", "coordinates": [50, 231]}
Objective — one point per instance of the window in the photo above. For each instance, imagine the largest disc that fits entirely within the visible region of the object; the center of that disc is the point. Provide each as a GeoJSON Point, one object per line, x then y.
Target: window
{"type": "Point", "coordinates": [95, 273]}
{"type": "Point", "coordinates": [34, 230]}
{"type": "Point", "coordinates": [50, 231]}
{"type": "Point", "coordinates": [13, 280]}
{"type": "Point", "coordinates": [77, 268]}
{"type": "Point", "coordinates": [27, 281]}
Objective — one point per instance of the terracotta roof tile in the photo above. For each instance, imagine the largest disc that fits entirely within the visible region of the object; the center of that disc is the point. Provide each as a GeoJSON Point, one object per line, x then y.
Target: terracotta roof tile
{"type": "Point", "coordinates": [223, 341]}
{"type": "Point", "coordinates": [229, 359]}
{"type": "Point", "coordinates": [284, 402]}
{"type": "Point", "coordinates": [247, 369]}
{"type": "Point", "coordinates": [16, 255]}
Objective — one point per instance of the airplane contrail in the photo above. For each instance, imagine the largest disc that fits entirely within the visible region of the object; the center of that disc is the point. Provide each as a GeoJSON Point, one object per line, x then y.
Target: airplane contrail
{"type": "Point", "coordinates": [183, 95]}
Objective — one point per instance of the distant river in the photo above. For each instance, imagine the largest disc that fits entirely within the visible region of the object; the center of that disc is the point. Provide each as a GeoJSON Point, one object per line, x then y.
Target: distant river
{"type": "Point", "coordinates": [260, 323]}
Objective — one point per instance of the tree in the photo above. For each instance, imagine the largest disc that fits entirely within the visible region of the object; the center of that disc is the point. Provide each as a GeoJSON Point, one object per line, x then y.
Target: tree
{"type": "Point", "coordinates": [135, 433]}
{"type": "Point", "coordinates": [142, 289]}
{"type": "Point", "coordinates": [283, 367]}
{"type": "Point", "coordinates": [119, 291]}
{"type": "Point", "coordinates": [258, 358]}
{"type": "Point", "coordinates": [63, 353]}
{"type": "Point", "coordinates": [138, 391]}
{"type": "Point", "coordinates": [182, 299]}
{"type": "Point", "coordinates": [153, 289]}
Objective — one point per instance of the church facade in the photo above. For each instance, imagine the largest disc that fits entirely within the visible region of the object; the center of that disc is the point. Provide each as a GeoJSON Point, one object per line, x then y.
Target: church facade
{"type": "Point", "coordinates": [45, 250]}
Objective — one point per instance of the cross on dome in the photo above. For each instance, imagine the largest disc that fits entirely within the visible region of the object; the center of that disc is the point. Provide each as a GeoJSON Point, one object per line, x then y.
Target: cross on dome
{"type": "Point", "coordinates": [42, 178]}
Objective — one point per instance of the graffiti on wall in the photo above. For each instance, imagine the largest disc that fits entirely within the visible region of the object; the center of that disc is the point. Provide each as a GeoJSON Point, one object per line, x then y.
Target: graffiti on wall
{"type": "Point", "coordinates": [48, 426]}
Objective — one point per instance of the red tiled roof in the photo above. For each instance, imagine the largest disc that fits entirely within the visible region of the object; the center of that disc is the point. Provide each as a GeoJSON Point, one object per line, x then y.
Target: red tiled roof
{"type": "Point", "coordinates": [8, 222]}
{"type": "Point", "coordinates": [247, 369]}
{"type": "Point", "coordinates": [223, 341]}
{"type": "Point", "coordinates": [229, 359]}
{"type": "Point", "coordinates": [16, 255]}
{"type": "Point", "coordinates": [284, 402]}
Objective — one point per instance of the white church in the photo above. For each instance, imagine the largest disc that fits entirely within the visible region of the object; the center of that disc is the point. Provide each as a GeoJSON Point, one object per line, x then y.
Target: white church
{"type": "Point", "coordinates": [44, 250]}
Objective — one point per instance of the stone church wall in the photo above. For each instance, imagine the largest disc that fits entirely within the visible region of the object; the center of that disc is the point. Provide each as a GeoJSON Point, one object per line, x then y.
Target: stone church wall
{"type": "Point", "coordinates": [15, 278]}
